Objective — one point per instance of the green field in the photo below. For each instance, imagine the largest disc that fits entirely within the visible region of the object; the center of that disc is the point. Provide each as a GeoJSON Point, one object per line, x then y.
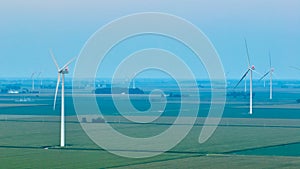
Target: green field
{"type": "Point", "coordinates": [23, 139]}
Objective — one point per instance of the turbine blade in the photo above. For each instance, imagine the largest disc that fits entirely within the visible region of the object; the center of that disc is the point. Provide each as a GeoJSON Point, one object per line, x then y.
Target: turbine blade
{"type": "Point", "coordinates": [264, 75]}
{"type": "Point", "coordinates": [53, 58]}
{"type": "Point", "coordinates": [242, 78]}
{"type": "Point", "coordinates": [257, 72]}
{"type": "Point", "coordinates": [69, 62]}
{"type": "Point", "coordinates": [56, 90]}
{"type": "Point", "coordinates": [270, 60]}
{"type": "Point", "coordinates": [247, 52]}
{"type": "Point", "coordinates": [32, 75]}
{"type": "Point", "coordinates": [38, 75]}
{"type": "Point", "coordinates": [295, 67]}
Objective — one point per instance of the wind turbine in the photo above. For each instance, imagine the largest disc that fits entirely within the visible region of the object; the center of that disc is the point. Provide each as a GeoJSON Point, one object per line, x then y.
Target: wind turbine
{"type": "Point", "coordinates": [41, 80]}
{"type": "Point", "coordinates": [32, 78]}
{"type": "Point", "coordinates": [38, 75]}
{"type": "Point", "coordinates": [270, 72]}
{"type": "Point", "coordinates": [61, 72]}
{"type": "Point", "coordinates": [249, 69]}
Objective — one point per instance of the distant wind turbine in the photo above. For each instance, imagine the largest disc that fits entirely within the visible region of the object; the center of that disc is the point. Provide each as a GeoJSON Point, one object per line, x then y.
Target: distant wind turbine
{"type": "Point", "coordinates": [270, 72]}
{"type": "Point", "coordinates": [41, 80]}
{"type": "Point", "coordinates": [249, 69]}
{"type": "Point", "coordinates": [61, 72]}
{"type": "Point", "coordinates": [32, 78]}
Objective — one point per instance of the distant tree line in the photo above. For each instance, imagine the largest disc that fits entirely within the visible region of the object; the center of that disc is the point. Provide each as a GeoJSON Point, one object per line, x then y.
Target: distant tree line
{"type": "Point", "coordinates": [118, 90]}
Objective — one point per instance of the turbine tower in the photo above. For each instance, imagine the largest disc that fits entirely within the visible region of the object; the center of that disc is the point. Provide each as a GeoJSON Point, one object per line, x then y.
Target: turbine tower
{"type": "Point", "coordinates": [61, 72]}
{"type": "Point", "coordinates": [249, 69]}
{"type": "Point", "coordinates": [270, 72]}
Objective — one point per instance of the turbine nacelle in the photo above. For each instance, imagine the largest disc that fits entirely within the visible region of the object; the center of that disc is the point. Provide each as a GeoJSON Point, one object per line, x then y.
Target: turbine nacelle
{"type": "Point", "coordinates": [252, 67]}
{"type": "Point", "coordinates": [64, 71]}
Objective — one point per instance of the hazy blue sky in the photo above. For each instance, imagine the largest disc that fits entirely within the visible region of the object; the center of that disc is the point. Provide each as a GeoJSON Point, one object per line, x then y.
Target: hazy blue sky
{"type": "Point", "coordinates": [29, 28]}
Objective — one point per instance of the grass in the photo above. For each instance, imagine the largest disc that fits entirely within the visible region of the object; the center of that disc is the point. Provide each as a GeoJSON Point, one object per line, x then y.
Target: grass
{"type": "Point", "coordinates": [221, 162]}
{"type": "Point", "coordinates": [22, 142]}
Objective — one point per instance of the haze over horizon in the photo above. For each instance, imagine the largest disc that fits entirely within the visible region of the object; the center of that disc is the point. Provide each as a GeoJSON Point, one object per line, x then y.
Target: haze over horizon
{"type": "Point", "coordinates": [30, 28]}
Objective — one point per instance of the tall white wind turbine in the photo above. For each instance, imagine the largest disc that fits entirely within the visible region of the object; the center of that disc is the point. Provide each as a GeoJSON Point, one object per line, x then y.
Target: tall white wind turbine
{"type": "Point", "coordinates": [249, 69]}
{"type": "Point", "coordinates": [269, 72]}
{"type": "Point", "coordinates": [61, 72]}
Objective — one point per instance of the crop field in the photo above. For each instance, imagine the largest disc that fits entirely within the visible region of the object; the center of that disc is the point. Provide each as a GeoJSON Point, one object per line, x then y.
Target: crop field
{"type": "Point", "coordinates": [270, 138]}
{"type": "Point", "coordinates": [32, 142]}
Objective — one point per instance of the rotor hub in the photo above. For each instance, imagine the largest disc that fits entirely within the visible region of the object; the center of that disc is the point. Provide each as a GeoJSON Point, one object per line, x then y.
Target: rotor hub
{"type": "Point", "coordinates": [64, 71]}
